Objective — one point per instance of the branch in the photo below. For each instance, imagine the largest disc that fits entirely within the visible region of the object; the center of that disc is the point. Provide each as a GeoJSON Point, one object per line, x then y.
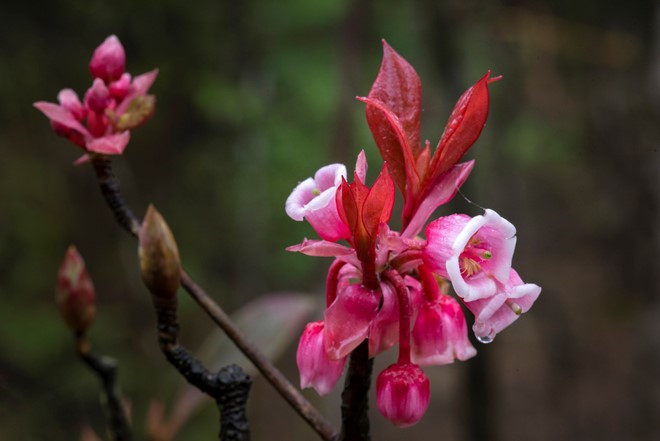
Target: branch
{"type": "Point", "coordinates": [106, 369]}
{"type": "Point", "coordinates": [111, 191]}
{"type": "Point", "coordinates": [229, 387]}
{"type": "Point", "coordinates": [354, 398]}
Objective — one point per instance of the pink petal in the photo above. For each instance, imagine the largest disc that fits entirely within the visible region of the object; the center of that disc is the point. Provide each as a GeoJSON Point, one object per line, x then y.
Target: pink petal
{"type": "Point", "coordinates": [97, 97]}
{"type": "Point", "coordinates": [347, 320]}
{"type": "Point", "coordinates": [299, 197]}
{"type": "Point", "coordinates": [70, 101]}
{"type": "Point", "coordinates": [361, 166]}
{"type": "Point", "coordinates": [329, 176]}
{"type": "Point", "coordinates": [441, 192]}
{"type": "Point", "coordinates": [111, 144]}
{"type": "Point", "coordinates": [62, 116]}
{"type": "Point", "coordinates": [320, 248]}
{"type": "Point", "coordinates": [316, 369]}
{"type": "Point", "coordinates": [141, 85]}
{"type": "Point", "coordinates": [384, 330]}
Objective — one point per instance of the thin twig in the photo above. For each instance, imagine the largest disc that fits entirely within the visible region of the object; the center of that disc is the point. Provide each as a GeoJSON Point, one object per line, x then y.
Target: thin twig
{"type": "Point", "coordinates": [106, 369]}
{"type": "Point", "coordinates": [112, 194]}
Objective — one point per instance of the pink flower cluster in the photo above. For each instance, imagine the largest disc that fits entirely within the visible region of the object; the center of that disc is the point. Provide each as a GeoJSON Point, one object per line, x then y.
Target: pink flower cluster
{"type": "Point", "coordinates": [114, 103]}
{"type": "Point", "coordinates": [391, 287]}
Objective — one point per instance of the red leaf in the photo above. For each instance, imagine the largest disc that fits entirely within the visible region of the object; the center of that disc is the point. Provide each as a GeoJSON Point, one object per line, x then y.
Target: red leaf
{"type": "Point", "coordinates": [399, 88]}
{"type": "Point", "coordinates": [393, 145]}
{"type": "Point", "coordinates": [378, 204]}
{"type": "Point", "coordinates": [465, 124]}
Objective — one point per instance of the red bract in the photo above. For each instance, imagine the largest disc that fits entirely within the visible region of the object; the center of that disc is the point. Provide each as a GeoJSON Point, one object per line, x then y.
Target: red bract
{"type": "Point", "coordinates": [393, 114]}
{"type": "Point", "coordinates": [363, 210]}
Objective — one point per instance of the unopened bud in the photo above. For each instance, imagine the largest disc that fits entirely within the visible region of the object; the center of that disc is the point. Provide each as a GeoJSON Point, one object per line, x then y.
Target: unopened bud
{"type": "Point", "coordinates": [159, 256]}
{"type": "Point", "coordinates": [403, 393]}
{"type": "Point", "coordinates": [109, 60]}
{"type": "Point", "coordinates": [74, 292]}
{"type": "Point", "coordinates": [139, 110]}
{"type": "Point", "coordinates": [97, 97]}
{"type": "Point", "coordinates": [70, 101]}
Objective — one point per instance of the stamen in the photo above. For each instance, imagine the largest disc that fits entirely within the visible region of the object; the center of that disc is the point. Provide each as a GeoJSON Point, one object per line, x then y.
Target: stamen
{"type": "Point", "coordinates": [316, 192]}
{"type": "Point", "coordinates": [487, 254]}
{"type": "Point", "coordinates": [470, 266]}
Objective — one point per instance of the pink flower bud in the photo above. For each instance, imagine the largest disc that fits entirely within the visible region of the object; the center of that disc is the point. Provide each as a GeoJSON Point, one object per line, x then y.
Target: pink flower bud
{"type": "Point", "coordinates": [109, 60]}
{"type": "Point", "coordinates": [474, 253]}
{"type": "Point", "coordinates": [70, 101]}
{"type": "Point", "coordinates": [440, 333]}
{"type": "Point", "coordinates": [74, 292]}
{"type": "Point", "coordinates": [403, 393]}
{"type": "Point", "coordinates": [316, 369]}
{"type": "Point", "coordinates": [120, 88]}
{"type": "Point", "coordinates": [97, 97]}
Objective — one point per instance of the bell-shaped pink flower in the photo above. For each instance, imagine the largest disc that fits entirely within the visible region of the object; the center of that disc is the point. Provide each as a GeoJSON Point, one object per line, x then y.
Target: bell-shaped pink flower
{"type": "Point", "coordinates": [403, 393]}
{"type": "Point", "coordinates": [109, 60]}
{"type": "Point", "coordinates": [495, 313]}
{"type": "Point", "coordinates": [314, 200]}
{"type": "Point", "coordinates": [474, 253]}
{"type": "Point", "coordinates": [348, 319]}
{"type": "Point", "coordinates": [316, 369]}
{"type": "Point", "coordinates": [440, 333]}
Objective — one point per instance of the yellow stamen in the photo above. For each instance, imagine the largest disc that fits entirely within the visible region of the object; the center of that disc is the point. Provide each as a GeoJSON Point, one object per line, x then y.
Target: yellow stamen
{"type": "Point", "coordinates": [470, 267]}
{"type": "Point", "coordinates": [316, 192]}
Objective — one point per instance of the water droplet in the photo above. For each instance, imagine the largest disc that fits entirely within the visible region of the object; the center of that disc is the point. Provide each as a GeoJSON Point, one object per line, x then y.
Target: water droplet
{"type": "Point", "coordinates": [485, 339]}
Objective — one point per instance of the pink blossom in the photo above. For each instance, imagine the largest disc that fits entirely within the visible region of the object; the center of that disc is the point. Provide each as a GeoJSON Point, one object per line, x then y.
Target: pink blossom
{"type": "Point", "coordinates": [348, 319]}
{"type": "Point", "coordinates": [474, 253]}
{"type": "Point", "coordinates": [112, 105]}
{"type": "Point", "coordinates": [493, 314]}
{"type": "Point", "coordinates": [440, 333]}
{"type": "Point", "coordinates": [316, 369]}
{"type": "Point", "coordinates": [403, 393]}
{"type": "Point", "coordinates": [314, 200]}
{"type": "Point", "coordinates": [109, 60]}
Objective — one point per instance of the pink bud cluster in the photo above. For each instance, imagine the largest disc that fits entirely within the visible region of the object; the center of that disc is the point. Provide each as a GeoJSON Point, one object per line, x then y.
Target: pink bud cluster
{"type": "Point", "coordinates": [115, 103]}
{"type": "Point", "coordinates": [390, 287]}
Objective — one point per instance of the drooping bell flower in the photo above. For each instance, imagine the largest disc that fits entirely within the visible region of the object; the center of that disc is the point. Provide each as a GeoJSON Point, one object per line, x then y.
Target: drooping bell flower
{"type": "Point", "coordinates": [74, 292]}
{"type": "Point", "coordinates": [440, 333]}
{"type": "Point", "coordinates": [113, 105]}
{"type": "Point", "coordinates": [493, 314]}
{"type": "Point", "coordinates": [316, 369]}
{"type": "Point", "coordinates": [473, 253]}
{"type": "Point", "coordinates": [109, 60]}
{"type": "Point", "coordinates": [403, 393]}
{"type": "Point", "coordinates": [348, 318]}
{"type": "Point", "coordinates": [314, 201]}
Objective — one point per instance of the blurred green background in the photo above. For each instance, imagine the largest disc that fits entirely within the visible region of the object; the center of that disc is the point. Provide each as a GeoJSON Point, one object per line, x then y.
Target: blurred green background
{"type": "Point", "coordinates": [254, 96]}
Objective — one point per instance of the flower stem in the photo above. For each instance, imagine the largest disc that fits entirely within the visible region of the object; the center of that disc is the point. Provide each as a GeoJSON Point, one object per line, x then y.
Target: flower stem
{"type": "Point", "coordinates": [354, 398]}
{"type": "Point", "coordinates": [405, 313]}
{"type": "Point", "coordinates": [429, 283]}
{"type": "Point", "coordinates": [112, 193]}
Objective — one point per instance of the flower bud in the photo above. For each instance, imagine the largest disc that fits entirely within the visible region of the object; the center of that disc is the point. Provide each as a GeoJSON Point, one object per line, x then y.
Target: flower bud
{"type": "Point", "coordinates": [120, 88]}
{"type": "Point", "coordinates": [159, 256]}
{"type": "Point", "coordinates": [109, 60]}
{"type": "Point", "coordinates": [97, 97]}
{"type": "Point", "coordinates": [74, 292]}
{"type": "Point", "coordinates": [403, 393]}
{"type": "Point", "coordinates": [316, 369]}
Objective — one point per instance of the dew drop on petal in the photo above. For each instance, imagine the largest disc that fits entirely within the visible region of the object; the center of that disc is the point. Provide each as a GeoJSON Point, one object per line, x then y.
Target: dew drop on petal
{"type": "Point", "coordinates": [485, 339]}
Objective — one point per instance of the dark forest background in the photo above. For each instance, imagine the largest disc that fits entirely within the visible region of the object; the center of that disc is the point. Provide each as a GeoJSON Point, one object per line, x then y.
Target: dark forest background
{"type": "Point", "coordinates": [256, 95]}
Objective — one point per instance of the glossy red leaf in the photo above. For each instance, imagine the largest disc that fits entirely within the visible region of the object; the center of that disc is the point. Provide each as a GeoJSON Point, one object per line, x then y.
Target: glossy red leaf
{"type": "Point", "coordinates": [465, 124]}
{"type": "Point", "coordinates": [399, 88]}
